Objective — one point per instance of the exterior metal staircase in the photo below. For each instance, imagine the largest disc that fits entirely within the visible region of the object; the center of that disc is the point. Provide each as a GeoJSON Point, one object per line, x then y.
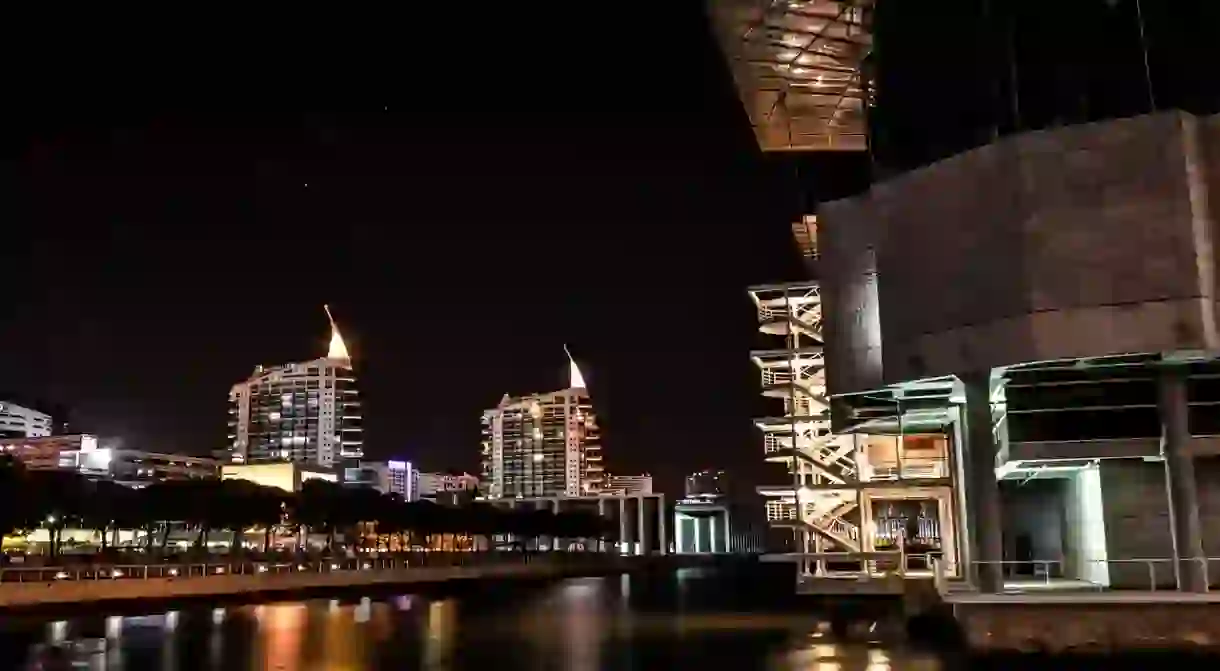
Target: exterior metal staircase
{"type": "Point", "coordinates": [796, 374]}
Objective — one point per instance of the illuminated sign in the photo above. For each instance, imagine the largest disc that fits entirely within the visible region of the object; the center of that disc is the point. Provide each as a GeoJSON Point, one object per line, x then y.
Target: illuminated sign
{"type": "Point", "coordinates": [398, 465]}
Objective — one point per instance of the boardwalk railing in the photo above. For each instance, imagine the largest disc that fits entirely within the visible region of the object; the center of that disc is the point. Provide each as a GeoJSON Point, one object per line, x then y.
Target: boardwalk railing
{"type": "Point", "coordinates": [400, 561]}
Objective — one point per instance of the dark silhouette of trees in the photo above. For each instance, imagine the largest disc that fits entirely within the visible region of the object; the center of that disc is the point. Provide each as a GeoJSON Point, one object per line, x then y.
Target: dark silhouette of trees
{"type": "Point", "coordinates": [57, 500]}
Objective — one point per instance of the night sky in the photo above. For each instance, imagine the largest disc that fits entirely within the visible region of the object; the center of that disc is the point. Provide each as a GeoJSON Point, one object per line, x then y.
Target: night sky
{"type": "Point", "coordinates": [468, 193]}
{"type": "Point", "coordinates": [470, 188]}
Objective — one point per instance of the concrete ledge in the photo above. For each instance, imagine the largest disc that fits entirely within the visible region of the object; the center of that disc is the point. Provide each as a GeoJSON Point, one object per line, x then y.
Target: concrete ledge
{"type": "Point", "coordinates": [1102, 622]}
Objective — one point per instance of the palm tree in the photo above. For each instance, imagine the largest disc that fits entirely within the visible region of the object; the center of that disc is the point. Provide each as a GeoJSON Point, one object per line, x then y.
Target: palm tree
{"type": "Point", "coordinates": [57, 498]}
{"type": "Point", "coordinates": [14, 495]}
{"type": "Point", "coordinates": [317, 508]}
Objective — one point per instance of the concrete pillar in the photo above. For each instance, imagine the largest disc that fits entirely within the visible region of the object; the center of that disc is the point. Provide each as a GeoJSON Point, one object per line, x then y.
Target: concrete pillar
{"type": "Point", "coordinates": [662, 521]}
{"type": "Point", "coordinates": [1180, 482]}
{"type": "Point", "coordinates": [648, 520]}
{"type": "Point", "coordinates": [601, 513]}
{"type": "Point", "coordinates": [622, 523]}
{"type": "Point", "coordinates": [982, 490]}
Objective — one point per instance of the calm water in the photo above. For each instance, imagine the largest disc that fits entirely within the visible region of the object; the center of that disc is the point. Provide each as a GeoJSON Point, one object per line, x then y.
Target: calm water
{"type": "Point", "coordinates": [682, 622]}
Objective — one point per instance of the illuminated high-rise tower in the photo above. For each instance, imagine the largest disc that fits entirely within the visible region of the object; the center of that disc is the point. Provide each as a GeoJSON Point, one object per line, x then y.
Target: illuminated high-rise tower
{"type": "Point", "coordinates": [543, 444]}
{"type": "Point", "coordinates": [307, 412]}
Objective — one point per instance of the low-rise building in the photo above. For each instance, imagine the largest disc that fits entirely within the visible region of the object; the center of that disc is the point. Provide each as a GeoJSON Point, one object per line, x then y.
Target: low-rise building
{"type": "Point", "coordinates": [439, 485]}
{"type": "Point", "coordinates": [628, 484]}
{"type": "Point", "coordinates": [48, 452]}
{"type": "Point", "coordinates": [100, 458]}
{"type": "Point", "coordinates": [138, 469]}
{"type": "Point", "coordinates": [17, 421]}
{"type": "Point", "coordinates": [707, 483]}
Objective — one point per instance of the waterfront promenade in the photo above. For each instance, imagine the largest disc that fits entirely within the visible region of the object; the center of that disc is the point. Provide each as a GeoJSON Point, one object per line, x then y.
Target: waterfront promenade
{"type": "Point", "coordinates": [22, 588]}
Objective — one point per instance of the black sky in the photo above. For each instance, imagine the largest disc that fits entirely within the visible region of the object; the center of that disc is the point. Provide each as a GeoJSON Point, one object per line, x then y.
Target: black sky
{"type": "Point", "coordinates": [467, 192]}
{"type": "Point", "coordinates": [485, 184]}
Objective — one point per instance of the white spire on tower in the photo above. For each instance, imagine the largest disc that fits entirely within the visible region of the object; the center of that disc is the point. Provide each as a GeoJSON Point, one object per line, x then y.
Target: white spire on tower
{"type": "Point", "coordinates": [338, 350]}
{"type": "Point", "coordinates": [576, 380]}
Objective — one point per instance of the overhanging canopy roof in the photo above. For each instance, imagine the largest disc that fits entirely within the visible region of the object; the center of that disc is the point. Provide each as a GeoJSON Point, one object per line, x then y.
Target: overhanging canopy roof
{"type": "Point", "coordinates": [797, 65]}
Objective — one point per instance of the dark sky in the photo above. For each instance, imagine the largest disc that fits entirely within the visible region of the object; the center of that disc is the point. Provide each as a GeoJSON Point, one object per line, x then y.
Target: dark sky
{"type": "Point", "coordinates": [468, 192]}
{"type": "Point", "coordinates": [485, 184]}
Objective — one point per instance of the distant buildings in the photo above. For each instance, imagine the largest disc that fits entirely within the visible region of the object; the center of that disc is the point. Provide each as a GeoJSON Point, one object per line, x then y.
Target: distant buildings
{"type": "Point", "coordinates": [306, 413]}
{"type": "Point", "coordinates": [394, 477]}
{"type": "Point", "coordinates": [447, 487]}
{"type": "Point", "coordinates": [96, 459]}
{"type": "Point", "coordinates": [707, 484]}
{"type": "Point", "coordinates": [18, 421]}
{"type": "Point", "coordinates": [136, 468]}
{"type": "Point", "coordinates": [707, 521]}
{"type": "Point", "coordinates": [628, 484]}
{"type": "Point", "coordinates": [543, 445]}
{"type": "Point", "coordinates": [48, 452]}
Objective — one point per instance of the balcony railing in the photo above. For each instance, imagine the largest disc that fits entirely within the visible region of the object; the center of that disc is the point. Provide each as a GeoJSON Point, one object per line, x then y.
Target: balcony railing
{"type": "Point", "coordinates": [399, 561]}
{"type": "Point", "coordinates": [922, 468]}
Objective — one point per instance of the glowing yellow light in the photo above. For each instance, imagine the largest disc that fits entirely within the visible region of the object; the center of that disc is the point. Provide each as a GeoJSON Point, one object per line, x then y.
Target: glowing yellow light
{"type": "Point", "coordinates": [577, 380]}
{"type": "Point", "coordinates": [338, 350]}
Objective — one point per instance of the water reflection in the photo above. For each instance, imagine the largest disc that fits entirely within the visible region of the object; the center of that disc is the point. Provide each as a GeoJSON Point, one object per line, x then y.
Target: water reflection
{"type": "Point", "coordinates": [581, 625]}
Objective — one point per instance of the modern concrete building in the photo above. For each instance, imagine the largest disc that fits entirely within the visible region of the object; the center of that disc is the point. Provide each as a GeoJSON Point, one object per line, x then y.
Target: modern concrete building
{"type": "Point", "coordinates": [702, 526]}
{"type": "Point", "coordinates": [307, 413]}
{"type": "Point", "coordinates": [641, 519]}
{"type": "Point", "coordinates": [437, 486]}
{"type": "Point", "coordinates": [543, 445]}
{"type": "Point", "coordinates": [1070, 345]}
{"type": "Point", "coordinates": [1006, 356]}
{"type": "Point", "coordinates": [707, 483]}
{"type": "Point", "coordinates": [18, 421]}
{"type": "Point", "coordinates": [708, 520]}
{"type": "Point", "coordinates": [628, 484]}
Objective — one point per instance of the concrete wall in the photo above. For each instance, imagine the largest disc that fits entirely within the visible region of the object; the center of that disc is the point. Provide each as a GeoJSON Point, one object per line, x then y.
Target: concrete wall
{"type": "Point", "coordinates": [1137, 518]}
{"type": "Point", "coordinates": [1080, 241]}
{"type": "Point", "coordinates": [1136, 514]}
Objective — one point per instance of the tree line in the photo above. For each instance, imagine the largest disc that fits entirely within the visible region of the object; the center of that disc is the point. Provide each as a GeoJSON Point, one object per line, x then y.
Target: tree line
{"type": "Point", "coordinates": [364, 517]}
